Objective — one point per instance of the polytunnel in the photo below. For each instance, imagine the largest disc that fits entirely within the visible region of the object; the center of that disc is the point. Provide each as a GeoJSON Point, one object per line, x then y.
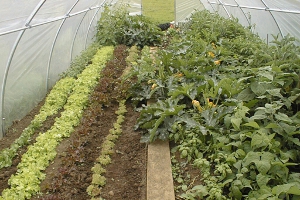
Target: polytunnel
{"type": "Point", "coordinates": [39, 39]}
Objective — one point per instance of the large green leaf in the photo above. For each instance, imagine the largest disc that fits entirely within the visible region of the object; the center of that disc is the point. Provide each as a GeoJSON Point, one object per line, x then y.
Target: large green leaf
{"type": "Point", "coordinates": [261, 139]}
{"type": "Point", "coordinates": [237, 194]}
{"type": "Point", "coordinates": [162, 110]}
{"type": "Point", "coordinates": [259, 115]}
{"type": "Point", "coordinates": [262, 160]}
{"type": "Point", "coordinates": [266, 74]}
{"type": "Point", "coordinates": [262, 180]}
{"type": "Point", "coordinates": [252, 124]}
{"type": "Point", "coordinates": [236, 122]}
{"type": "Point", "coordinates": [188, 90]}
{"type": "Point", "coordinates": [259, 88]}
{"type": "Point", "coordinates": [230, 86]}
{"type": "Point", "coordinates": [283, 117]}
{"type": "Point", "coordinates": [246, 95]}
{"type": "Point", "coordinates": [210, 118]}
{"type": "Point", "coordinates": [275, 92]}
{"type": "Point", "coordinates": [263, 193]}
{"type": "Point", "coordinates": [289, 188]}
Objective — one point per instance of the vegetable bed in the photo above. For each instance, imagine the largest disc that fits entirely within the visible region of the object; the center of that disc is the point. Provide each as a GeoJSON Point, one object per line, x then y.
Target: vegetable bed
{"type": "Point", "coordinates": [230, 103]}
{"type": "Point", "coordinates": [227, 102]}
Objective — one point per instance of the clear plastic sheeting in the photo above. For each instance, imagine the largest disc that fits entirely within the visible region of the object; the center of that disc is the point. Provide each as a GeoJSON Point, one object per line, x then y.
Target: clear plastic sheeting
{"type": "Point", "coordinates": [266, 17]}
{"type": "Point", "coordinates": [38, 40]}
{"type": "Point", "coordinates": [134, 6]}
{"type": "Point", "coordinates": [184, 9]}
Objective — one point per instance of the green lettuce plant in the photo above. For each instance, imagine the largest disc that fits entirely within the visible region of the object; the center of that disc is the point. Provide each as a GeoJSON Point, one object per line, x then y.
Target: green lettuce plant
{"type": "Point", "coordinates": [98, 177]}
{"type": "Point", "coordinates": [54, 101]}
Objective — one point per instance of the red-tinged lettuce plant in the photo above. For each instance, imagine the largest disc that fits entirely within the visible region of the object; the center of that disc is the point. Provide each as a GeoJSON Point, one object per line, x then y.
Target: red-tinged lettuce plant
{"type": "Point", "coordinates": [112, 92]}
{"type": "Point", "coordinates": [112, 87]}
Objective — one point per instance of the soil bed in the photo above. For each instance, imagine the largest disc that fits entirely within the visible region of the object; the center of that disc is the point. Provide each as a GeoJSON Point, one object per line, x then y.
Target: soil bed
{"type": "Point", "coordinates": [69, 174]}
{"type": "Point", "coordinates": [126, 175]}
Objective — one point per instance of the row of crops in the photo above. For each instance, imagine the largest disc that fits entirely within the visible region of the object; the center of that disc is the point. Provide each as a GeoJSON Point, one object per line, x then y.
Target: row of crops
{"type": "Point", "coordinates": [228, 100]}
{"type": "Point", "coordinates": [231, 104]}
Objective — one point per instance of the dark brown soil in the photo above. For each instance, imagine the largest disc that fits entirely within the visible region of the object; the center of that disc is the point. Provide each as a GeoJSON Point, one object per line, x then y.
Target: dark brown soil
{"type": "Point", "coordinates": [126, 175]}
{"type": "Point", "coordinates": [191, 176]}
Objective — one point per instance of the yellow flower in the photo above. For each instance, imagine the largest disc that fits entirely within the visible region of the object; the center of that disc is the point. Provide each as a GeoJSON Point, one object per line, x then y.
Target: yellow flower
{"type": "Point", "coordinates": [153, 86]}
{"type": "Point", "coordinates": [214, 45]}
{"type": "Point", "coordinates": [210, 103]}
{"type": "Point", "coordinates": [211, 54]}
{"type": "Point", "coordinates": [217, 62]}
{"type": "Point", "coordinates": [197, 105]}
{"type": "Point", "coordinates": [179, 75]}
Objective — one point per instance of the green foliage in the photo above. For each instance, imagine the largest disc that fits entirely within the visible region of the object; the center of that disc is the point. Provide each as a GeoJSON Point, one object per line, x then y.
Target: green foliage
{"type": "Point", "coordinates": [231, 104]}
{"type": "Point", "coordinates": [79, 63]}
{"type": "Point", "coordinates": [155, 115]}
{"type": "Point", "coordinates": [116, 26]}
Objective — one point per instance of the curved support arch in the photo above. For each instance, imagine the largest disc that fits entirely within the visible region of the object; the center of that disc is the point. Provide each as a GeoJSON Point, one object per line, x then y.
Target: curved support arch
{"type": "Point", "coordinates": [267, 9]}
{"type": "Point", "coordinates": [210, 5]}
{"type": "Point", "coordinates": [54, 42]}
{"type": "Point", "coordinates": [89, 27]}
{"type": "Point", "coordinates": [91, 22]}
{"type": "Point", "coordinates": [11, 55]}
{"type": "Point", "coordinates": [222, 4]}
{"type": "Point", "coordinates": [238, 5]}
{"type": "Point", "coordinates": [77, 29]}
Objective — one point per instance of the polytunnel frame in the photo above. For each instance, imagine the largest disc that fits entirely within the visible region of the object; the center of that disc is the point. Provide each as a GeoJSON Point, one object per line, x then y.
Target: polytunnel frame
{"type": "Point", "coordinates": [266, 8]}
{"type": "Point", "coordinates": [28, 26]}
{"type": "Point", "coordinates": [74, 38]}
{"type": "Point", "coordinates": [11, 55]}
{"type": "Point", "coordinates": [54, 42]}
{"type": "Point", "coordinates": [91, 22]}
{"type": "Point", "coordinates": [227, 12]}
{"type": "Point", "coordinates": [88, 29]}
{"type": "Point", "coordinates": [58, 31]}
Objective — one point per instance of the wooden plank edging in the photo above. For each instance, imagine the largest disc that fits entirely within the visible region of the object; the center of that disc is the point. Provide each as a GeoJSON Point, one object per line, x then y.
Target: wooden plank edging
{"type": "Point", "coordinates": [159, 172]}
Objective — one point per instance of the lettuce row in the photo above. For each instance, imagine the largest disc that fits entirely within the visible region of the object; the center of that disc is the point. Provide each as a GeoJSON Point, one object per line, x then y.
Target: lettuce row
{"type": "Point", "coordinates": [55, 101]}
{"type": "Point", "coordinates": [26, 182]}
{"type": "Point", "coordinates": [98, 180]}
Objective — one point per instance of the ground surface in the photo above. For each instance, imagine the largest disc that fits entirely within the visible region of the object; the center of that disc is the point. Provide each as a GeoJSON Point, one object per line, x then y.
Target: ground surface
{"type": "Point", "coordinates": [126, 175]}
